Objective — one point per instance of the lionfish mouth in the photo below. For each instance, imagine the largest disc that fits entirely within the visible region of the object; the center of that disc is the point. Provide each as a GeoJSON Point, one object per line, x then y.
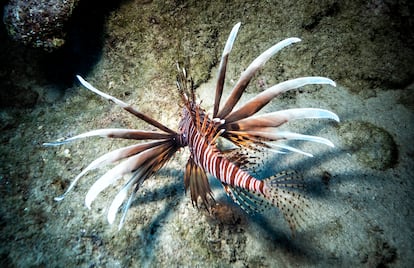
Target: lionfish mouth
{"type": "Point", "coordinates": [240, 126]}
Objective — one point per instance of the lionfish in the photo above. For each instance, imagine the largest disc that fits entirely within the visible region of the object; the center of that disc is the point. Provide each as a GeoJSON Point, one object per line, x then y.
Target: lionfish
{"type": "Point", "coordinates": [199, 132]}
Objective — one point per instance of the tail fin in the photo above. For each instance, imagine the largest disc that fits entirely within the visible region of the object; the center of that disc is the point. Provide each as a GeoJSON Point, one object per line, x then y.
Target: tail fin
{"type": "Point", "coordinates": [281, 190]}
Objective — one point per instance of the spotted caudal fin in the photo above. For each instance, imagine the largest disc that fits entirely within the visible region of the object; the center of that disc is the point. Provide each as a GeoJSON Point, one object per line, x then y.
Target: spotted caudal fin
{"type": "Point", "coordinates": [282, 191]}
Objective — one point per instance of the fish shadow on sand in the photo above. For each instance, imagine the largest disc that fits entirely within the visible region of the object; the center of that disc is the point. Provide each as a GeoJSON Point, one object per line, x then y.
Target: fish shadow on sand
{"type": "Point", "coordinates": [277, 238]}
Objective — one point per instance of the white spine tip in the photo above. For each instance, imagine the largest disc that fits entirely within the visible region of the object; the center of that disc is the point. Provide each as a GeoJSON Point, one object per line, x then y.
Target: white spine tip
{"type": "Point", "coordinates": [88, 203]}
{"type": "Point", "coordinates": [59, 198]}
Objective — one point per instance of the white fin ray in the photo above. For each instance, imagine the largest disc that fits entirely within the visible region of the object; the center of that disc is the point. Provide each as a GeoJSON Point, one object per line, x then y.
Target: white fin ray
{"type": "Point", "coordinates": [114, 133]}
{"type": "Point", "coordinates": [100, 93]}
{"type": "Point", "coordinates": [275, 119]}
{"type": "Point", "coordinates": [118, 171]}
{"type": "Point", "coordinates": [231, 39]}
{"type": "Point", "coordinates": [287, 148]}
{"type": "Point", "coordinates": [117, 202]}
{"type": "Point", "coordinates": [125, 106]}
{"type": "Point", "coordinates": [265, 56]}
{"type": "Point", "coordinates": [221, 74]}
{"type": "Point", "coordinates": [136, 180]}
{"type": "Point", "coordinates": [126, 208]}
{"type": "Point", "coordinates": [247, 75]}
{"type": "Point", "coordinates": [287, 135]}
{"type": "Point", "coordinates": [297, 136]}
{"type": "Point", "coordinates": [107, 158]}
{"type": "Point", "coordinates": [258, 102]}
{"type": "Point", "coordinates": [119, 199]}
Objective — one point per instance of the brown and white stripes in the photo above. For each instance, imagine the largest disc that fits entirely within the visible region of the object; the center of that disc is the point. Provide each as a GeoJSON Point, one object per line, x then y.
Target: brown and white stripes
{"type": "Point", "coordinates": [209, 158]}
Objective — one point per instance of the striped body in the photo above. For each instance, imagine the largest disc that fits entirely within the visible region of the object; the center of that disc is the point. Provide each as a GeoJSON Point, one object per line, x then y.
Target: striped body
{"type": "Point", "coordinates": [206, 155]}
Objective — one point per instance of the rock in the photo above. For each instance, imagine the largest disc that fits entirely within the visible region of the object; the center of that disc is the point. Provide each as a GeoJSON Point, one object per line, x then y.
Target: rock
{"type": "Point", "coordinates": [373, 146]}
{"type": "Point", "coordinates": [38, 23]}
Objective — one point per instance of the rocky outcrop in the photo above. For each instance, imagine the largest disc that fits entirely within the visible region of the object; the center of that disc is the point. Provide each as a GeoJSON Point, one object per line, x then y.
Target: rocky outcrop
{"type": "Point", "coordinates": [38, 23]}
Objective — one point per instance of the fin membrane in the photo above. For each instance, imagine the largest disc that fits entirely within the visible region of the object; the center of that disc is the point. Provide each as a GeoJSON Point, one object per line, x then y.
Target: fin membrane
{"type": "Point", "coordinates": [283, 193]}
{"type": "Point", "coordinates": [196, 179]}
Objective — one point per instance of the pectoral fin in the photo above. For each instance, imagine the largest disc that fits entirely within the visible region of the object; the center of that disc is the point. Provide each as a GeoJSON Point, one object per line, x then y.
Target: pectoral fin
{"type": "Point", "coordinates": [196, 179]}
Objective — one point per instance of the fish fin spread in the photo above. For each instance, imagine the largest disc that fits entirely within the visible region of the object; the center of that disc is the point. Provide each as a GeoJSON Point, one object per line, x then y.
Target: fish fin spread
{"type": "Point", "coordinates": [249, 159]}
{"type": "Point", "coordinates": [278, 118]}
{"type": "Point", "coordinates": [262, 99]}
{"type": "Point", "coordinates": [139, 174]}
{"type": "Point", "coordinates": [238, 157]}
{"type": "Point", "coordinates": [196, 179]}
{"type": "Point", "coordinates": [243, 140]}
{"type": "Point", "coordinates": [111, 157]}
{"type": "Point", "coordinates": [251, 202]}
{"type": "Point", "coordinates": [247, 75]}
{"type": "Point", "coordinates": [116, 133]}
{"type": "Point", "coordinates": [272, 140]}
{"type": "Point", "coordinates": [282, 191]}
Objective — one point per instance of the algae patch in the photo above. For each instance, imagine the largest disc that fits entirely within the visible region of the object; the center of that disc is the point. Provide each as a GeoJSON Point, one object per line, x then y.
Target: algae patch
{"type": "Point", "coordinates": [373, 146]}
